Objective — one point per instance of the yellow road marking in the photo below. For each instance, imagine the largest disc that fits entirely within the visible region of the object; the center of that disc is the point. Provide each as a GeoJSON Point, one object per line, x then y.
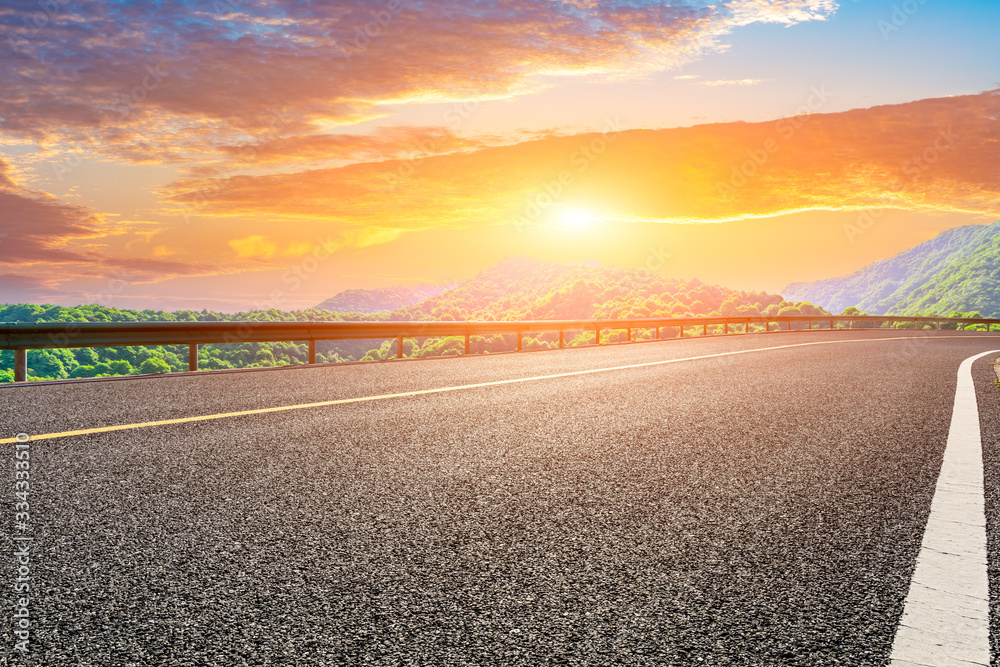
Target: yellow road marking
{"type": "Point", "coordinates": [439, 390]}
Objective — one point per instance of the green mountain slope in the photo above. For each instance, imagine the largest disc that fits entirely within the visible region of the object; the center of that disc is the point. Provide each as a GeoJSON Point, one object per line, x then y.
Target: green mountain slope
{"type": "Point", "coordinates": [958, 270]}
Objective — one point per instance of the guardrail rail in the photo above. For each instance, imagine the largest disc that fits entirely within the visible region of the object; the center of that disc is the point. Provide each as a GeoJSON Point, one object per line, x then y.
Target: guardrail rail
{"type": "Point", "coordinates": [21, 337]}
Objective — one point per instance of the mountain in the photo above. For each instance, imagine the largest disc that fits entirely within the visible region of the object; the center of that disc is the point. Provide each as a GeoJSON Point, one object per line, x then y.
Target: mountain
{"type": "Point", "coordinates": [533, 289]}
{"type": "Point", "coordinates": [957, 270]}
{"type": "Point", "coordinates": [516, 288]}
{"type": "Point", "coordinates": [379, 300]}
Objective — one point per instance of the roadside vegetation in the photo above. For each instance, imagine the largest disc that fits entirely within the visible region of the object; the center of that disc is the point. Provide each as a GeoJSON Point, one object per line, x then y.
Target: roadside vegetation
{"type": "Point", "coordinates": [518, 288]}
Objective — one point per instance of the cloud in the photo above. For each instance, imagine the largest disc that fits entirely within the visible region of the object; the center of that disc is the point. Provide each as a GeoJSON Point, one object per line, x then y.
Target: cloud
{"type": "Point", "coordinates": [35, 227]}
{"type": "Point", "coordinates": [384, 143]}
{"type": "Point", "coordinates": [936, 154]}
{"type": "Point", "coordinates": [169, 81]}
{"type": "Point", "coordinates": [153, 269]}
{"type": "Point", "coordinates": [18, 288]}
{"type": "Point", "coordinates": [253, 246]}
{"type": "Point", "coordinates": [61, 242]}
{"type": "Point", "coordinates": [6, 182]}
{"type": "Point", "coordinates": [745, 12]}
{"type": "Point", "coordinates": [260, 247]}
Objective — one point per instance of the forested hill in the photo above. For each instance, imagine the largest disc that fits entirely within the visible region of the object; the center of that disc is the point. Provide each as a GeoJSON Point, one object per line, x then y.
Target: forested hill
{"type": "Point", "coordinates": [956, 271]}
{"type": "Point", "coordinates": [526, 288]}
{"type": "Point", "coordinates": [517, 288]}
{"type": "Point", "coordinates": [380, 300]}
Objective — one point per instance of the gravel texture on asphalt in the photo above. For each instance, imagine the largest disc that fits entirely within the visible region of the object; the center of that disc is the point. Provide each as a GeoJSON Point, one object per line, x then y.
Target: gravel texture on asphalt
{"type": "Point", "coordinates": [760, 509]}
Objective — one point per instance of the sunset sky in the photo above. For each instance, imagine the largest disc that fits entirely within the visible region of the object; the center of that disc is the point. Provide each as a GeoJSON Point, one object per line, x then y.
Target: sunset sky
{"type": "Point", "coordinates": [242, 154]}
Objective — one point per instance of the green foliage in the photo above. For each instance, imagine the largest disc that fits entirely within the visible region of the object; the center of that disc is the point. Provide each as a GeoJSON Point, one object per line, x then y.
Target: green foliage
{"type": "Point", "coordinates": [151, 366]}
{"type": "Point", "coordinates": [517, 288]}
{"type": "Point", "coordinates": [521, 288]}
{"type": "Point", "coordinates": [956, 271]}
{"type": "Point", "coordinates": [121, 367]}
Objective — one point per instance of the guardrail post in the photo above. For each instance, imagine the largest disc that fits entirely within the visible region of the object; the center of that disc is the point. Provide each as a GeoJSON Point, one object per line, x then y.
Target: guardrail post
{"type": "Point", "coordinates": [704, 329]}
{"type": "Point", "coordinates": [852, 324]}
{"type": "Point", "coordinates": [518, 341]}
{"type": "Point", "coordinates": [312, 352]}
{"type": "Point", "coordinates": [399, 347]}
{"type": "Point", "coordinates": [788, 325]}
{"type": "Point", "coordinates": [657, 333]}
{"type": "Point", "coordinates": [466, 343]}
{"type": "Point", "coordinates": [747, 327]}
{"type": "Point", "coordinates": [810, 325]}
{"type": "Point", "coordinates": [20, 365]}
{"type": "Point", "coordinates": [597, 336]}
{"type": "Point", "coordinates": [682, 331]}
{"type": "Point", "coordinates": [831, 325]}
{"type": "Point", "coordinates": [193, 356]}
{"type": "Point", "coordinates": [630, 334]}
{"type": "Point", "coordinates": [725, 328]}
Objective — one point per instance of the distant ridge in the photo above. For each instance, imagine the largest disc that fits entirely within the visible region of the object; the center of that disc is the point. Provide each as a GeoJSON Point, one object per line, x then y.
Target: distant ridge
{"type": "Point", "coordinates": [516, 288]}
{"type": "Point", "coordinates": [382, 300]}
{"type": "Point", "coordinates": [957, 270]}
{"type": "Point", "coordinates": [533, 289]}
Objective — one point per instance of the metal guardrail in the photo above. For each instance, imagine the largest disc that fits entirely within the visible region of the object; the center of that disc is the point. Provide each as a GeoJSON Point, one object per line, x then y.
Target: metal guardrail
{"type": "Point", "coordinates": [22, 337]}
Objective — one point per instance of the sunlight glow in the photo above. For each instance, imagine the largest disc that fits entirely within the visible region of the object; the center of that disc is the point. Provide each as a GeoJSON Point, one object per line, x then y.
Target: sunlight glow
{"type": "Point", "coordinates": [576, 219]}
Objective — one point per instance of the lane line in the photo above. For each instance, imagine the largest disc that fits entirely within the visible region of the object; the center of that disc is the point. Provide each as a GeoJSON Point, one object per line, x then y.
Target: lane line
{"type": "Point", "coordinates": [946, 616]}
{"type": "Point", "coordinates": [439, 390]}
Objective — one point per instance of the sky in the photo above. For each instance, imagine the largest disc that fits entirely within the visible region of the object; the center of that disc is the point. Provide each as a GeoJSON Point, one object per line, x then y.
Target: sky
{"type": "Point", "coordinates": [254, 154]}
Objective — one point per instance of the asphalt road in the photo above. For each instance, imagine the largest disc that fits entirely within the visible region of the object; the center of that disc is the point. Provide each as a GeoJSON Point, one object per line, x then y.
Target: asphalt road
{"type": "Point", "coordinates": [753, 509]}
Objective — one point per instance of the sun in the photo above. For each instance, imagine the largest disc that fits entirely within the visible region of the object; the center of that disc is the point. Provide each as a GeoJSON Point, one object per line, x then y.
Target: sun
{"type": "Point", "coordinates": [575, 219]}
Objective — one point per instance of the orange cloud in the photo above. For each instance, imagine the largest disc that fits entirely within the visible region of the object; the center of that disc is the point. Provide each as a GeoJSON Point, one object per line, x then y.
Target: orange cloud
{"type": "Point", "coordinates": [385, 143]}
{"type": "Point", "coordinates": [59, 243]}
{"type": "Point", "coordinates": [937, 154]}
{"type": "Point", "coordinates": [253, 246]}
{"type": "Point", "coordinates": [36, 227]}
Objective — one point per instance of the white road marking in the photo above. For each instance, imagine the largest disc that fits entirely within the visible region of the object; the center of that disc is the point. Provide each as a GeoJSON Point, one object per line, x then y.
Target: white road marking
{"type": "Point", "coordinates": [946, 616]}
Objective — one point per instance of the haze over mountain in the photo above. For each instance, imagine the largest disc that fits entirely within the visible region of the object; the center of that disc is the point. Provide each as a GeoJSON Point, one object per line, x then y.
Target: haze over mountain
{"type": "Point", "coordinates": [380, 300]}
{"type": "Point", "coordinates": [958, 270]}
{"type": "Point", "coordinates": [532, 289]}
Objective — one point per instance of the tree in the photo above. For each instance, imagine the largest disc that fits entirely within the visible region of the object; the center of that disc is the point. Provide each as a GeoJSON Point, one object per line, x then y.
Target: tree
{"type": "Point", "coordinates": [85, 356]}
{"type": "Point", "coordinates": [49, 363]}
{"type": "Point", "coordinates": [121, 367]}
{"type": "Point", "coordinates": [154, 366]}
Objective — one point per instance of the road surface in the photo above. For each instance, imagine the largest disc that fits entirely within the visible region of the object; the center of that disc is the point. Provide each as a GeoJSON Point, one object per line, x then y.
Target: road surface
{"type": "Point", "coordinates": [758, 500]}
